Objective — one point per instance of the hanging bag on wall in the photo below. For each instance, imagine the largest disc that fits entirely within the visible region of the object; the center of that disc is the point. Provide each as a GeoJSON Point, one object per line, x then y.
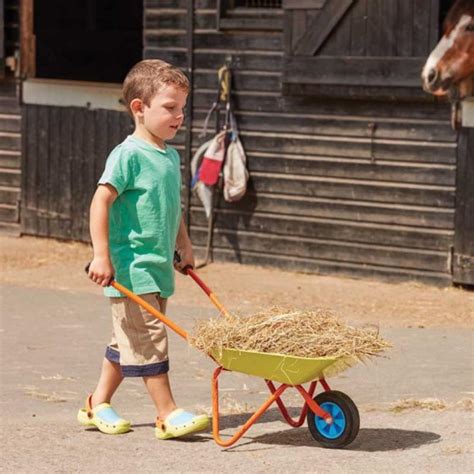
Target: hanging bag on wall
{"type": "Point", "coordinates": [222, 156]}
{"type": "Point", "coordinates": [235, 167]}
{"type": "Point", "coordinates": [213, 160]}
{"type": "Point", "coordinates": [203, 191]}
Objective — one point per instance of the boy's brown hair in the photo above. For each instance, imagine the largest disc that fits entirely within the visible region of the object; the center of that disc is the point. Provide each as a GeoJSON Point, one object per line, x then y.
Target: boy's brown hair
{"type": "Point", "coordinates": [147, 77]}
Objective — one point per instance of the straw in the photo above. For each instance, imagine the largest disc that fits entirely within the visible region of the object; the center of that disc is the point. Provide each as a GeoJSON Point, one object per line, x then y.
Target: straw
{"type": "Point", "coordinates": [309, 334]}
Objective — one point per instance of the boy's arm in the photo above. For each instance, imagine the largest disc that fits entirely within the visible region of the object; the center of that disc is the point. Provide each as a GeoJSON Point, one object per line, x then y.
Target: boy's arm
{"type": "Point", "coordinates": [184, 248]}
{"type": "Point", "coordinates": [101, 270]}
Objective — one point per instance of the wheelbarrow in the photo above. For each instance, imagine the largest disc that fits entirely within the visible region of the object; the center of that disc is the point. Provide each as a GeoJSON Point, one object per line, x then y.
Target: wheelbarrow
{"type": "Point", "coordinates": [332, 417]}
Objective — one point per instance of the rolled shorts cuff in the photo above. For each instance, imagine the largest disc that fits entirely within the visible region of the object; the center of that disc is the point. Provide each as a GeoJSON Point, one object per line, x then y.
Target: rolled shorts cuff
{"type": "Point", "coordinates": [112, 355]}
{"type": "Point", "coordinates": [147, 370]}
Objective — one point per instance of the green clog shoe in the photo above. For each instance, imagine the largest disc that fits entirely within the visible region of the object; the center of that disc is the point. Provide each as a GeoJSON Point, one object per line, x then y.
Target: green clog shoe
{"type": "Point", "coordinates": [103, 417]}
{"type": "Point", "coordinates": [180, 423]}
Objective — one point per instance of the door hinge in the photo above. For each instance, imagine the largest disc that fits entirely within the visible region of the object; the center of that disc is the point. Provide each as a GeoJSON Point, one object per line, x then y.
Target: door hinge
{"type": "Point", "coordinates": [466, 262]}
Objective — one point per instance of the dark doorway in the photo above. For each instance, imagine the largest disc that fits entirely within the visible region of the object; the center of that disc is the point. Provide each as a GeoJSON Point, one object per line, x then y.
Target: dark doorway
{"type": "Point", "coordinates": [87, 40]}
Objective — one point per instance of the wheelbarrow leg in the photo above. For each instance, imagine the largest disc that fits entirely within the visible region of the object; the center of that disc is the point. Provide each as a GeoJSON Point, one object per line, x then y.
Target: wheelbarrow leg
{"type": "Point", "coordinates": [243, 429]}
{"type": "Point", "coordinates": [325, 385]}
{"type": "Point", "coordinates": [283, 409]}
{"type": "Point", "coordinates": [314, 407]}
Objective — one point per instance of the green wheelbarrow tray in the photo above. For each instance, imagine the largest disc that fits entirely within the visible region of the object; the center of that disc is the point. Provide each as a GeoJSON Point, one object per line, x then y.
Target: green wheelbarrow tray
{"type": "Point", "coordinates": [290, 370]}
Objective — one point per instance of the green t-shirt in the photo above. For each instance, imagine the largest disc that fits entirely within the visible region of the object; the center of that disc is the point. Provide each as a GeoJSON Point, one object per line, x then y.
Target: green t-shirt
{"type": "Point", "coordinates": [144, 219]}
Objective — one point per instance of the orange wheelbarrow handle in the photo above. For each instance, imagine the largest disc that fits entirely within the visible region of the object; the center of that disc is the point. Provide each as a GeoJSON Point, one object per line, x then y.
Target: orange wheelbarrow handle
{"type": "Point", "coordinates": [158, 314]}
{"type": "Point", "coordinates": [140, 301]}
{"type": "Point", "coordinates": [190, 271]}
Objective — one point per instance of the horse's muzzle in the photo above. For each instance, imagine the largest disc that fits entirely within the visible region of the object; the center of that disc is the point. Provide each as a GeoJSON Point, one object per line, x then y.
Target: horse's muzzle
{"type": "Point", "coordinates": [434, 83]}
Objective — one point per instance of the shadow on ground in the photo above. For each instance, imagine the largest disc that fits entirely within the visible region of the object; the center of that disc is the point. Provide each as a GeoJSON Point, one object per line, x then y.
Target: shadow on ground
{"type": "Point", "coordinates": [368, 439]}
{"type": "Point", "coordinates": [271, 414]}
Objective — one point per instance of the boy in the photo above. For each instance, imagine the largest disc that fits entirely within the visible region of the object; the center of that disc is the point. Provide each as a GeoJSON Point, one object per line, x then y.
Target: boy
{"type": "Point", "coordinates": [136, 225]}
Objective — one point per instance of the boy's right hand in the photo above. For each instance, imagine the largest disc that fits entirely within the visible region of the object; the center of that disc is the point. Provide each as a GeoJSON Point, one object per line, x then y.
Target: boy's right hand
{"type": "Point", "coordinates": [101, 271]}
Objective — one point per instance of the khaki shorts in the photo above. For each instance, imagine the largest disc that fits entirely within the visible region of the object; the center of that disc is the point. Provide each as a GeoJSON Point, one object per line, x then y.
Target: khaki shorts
{"type": "Point", "coordinates": [139, 340]}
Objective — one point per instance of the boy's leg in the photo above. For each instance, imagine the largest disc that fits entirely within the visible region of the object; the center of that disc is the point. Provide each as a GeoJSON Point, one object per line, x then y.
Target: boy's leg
{"type": "Point", "coordinates": [110, 379]}
{"type": "Point", "coordinates": [158, 386]}
{"type": "Point", "coordinates": [97, 411]}
{"type": "Point", "coordinates": [143, 346]}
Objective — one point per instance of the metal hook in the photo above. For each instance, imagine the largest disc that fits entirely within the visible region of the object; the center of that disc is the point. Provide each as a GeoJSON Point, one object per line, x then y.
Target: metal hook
{"type": "Point", "coordinates": [228, 60]}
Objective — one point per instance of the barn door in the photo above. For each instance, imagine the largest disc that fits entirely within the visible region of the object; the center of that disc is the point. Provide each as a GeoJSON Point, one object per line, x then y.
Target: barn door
{"type": "Point", "coordinates": [358, 47]}
{"type": "Point", "coordinates": [463, 257]}
{"type": "Point", "coordinates": [2, 40]}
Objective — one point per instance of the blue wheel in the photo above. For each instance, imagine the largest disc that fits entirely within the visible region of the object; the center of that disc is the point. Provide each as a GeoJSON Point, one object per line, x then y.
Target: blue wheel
{"type": "Point", "coordinates": [345, 425]}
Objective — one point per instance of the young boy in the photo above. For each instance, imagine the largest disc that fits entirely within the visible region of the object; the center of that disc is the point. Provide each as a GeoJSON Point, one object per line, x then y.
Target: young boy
{"type": "Point", "coordinates": [136, 225]}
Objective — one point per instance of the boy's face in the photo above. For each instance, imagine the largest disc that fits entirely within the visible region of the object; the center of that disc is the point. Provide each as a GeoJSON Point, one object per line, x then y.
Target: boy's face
{"type": "Point", "coordinates": [165, 114]}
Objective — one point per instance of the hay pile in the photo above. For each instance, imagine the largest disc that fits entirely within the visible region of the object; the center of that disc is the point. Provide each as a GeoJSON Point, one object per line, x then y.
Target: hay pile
{"type": "Point", "coordinates": [298, 333]}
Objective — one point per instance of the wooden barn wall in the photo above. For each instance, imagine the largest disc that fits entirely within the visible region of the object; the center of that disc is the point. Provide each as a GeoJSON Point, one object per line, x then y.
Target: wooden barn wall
{"type": "Point", "coordinates": [352, 187]}
{"type": "Point", "coordinates": [10, 129]}
{"type": "Point", "coordinates": [64, 155]}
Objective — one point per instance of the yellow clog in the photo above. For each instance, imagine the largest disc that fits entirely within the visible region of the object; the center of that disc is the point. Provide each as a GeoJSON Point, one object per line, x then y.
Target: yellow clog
{"type": "Point", "coordinates": [180, 423]}
{"type": "Point", "coordinates": [103, 417]}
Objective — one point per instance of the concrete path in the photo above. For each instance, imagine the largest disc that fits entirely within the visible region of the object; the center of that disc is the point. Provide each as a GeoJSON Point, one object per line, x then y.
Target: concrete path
{"type": "Point", "coordinates": [52, 343]}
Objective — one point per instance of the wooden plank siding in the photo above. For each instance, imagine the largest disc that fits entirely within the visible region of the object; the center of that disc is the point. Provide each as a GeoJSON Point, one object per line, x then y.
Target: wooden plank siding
{"type": "Point", "coordinates": [360, 188]}
{"type": "Point", "coordinates": [354, 187]}
{"type": "Point", "coordinates": [10, 130]}
{"type": "Point", "coordinates": [64, 155]}
{"type": "Point", "coordinates": [360, 48]}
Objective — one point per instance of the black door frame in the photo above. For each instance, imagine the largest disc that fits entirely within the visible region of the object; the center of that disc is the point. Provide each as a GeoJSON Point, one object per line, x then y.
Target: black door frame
{"type": "Point", "coordinates": [463, 251]}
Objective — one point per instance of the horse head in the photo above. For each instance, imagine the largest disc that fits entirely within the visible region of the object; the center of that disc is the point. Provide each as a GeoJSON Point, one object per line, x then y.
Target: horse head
{"type": "Point", "coordinates": [452, 60]}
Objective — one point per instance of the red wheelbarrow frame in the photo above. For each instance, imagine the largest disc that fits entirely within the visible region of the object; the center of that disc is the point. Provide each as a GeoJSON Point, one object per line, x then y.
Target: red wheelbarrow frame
{"type": "Point", "coordinates": [275, 397]}
{"type": "Point", "coordinates": [275, 392]}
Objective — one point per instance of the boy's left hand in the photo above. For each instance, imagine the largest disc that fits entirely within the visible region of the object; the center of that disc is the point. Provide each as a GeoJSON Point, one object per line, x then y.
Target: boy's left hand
{"type": "Point", "coordinates": [186, 259]}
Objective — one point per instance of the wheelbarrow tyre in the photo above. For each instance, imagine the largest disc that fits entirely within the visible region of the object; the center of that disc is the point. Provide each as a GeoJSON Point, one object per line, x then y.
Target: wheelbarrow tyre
{"type": "Point", "coordinates": [346, 416]}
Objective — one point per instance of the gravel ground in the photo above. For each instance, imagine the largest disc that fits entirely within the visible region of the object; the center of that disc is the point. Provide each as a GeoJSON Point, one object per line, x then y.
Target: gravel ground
{"type": "Point", "coordinates": [419, 441]}
{"type": "Point", "coordinates": [416, 405]}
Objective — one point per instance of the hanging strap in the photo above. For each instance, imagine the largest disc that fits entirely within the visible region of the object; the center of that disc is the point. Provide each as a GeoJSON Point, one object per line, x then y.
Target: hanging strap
{"type": "Point", "coordinates": [224, 79]}
{"type": "Point", "coordinates": [233, 128]}
{"type": "Point", "coordinates": [214, 107]}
